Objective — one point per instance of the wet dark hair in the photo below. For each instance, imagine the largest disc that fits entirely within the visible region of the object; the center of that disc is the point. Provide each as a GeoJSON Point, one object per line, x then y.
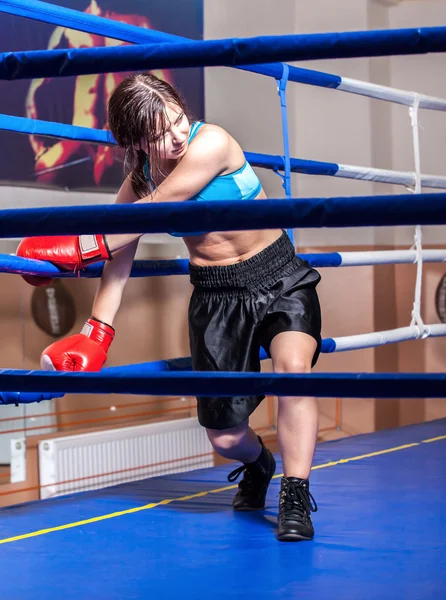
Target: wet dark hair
{"type": "Point", "coordinates": [136, 112]}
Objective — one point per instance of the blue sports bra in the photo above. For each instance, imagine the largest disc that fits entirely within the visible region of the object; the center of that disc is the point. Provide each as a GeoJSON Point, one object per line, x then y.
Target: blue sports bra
{"type": "Point", "coordinates": [242, 184]}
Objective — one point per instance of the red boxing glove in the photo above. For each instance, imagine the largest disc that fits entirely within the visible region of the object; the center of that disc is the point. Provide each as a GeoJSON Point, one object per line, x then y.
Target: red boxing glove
{"type": "Point", "coordinates": [70, 252]}
{"type": "Point", "coordinates": [85, 351]}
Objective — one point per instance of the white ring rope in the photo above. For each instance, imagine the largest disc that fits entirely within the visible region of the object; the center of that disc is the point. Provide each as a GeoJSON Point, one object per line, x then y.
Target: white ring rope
{"type": "Point", "coordinates": [406, 178]}
{"type": "Point", "coordinates": [380, 338]}
{"type": "Point", "coordinates": [390, 257]}
{"type": "Point", "coordinates": [381, 92]}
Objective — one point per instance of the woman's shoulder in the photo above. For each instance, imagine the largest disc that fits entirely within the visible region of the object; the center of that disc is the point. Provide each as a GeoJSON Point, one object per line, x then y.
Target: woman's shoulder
{"type": "Point", "coordinates": [210, 132]}
{"type": "Point", "coordinates": [216, 145]}
{"type": "Point", "coordinates": [211, 141]}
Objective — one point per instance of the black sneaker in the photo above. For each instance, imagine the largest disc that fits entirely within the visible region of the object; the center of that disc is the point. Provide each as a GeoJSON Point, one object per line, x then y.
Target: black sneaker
{"type": "Point", "coordinates": [295, 505]}
{"type": "Point", "coordinates": [254, 485]}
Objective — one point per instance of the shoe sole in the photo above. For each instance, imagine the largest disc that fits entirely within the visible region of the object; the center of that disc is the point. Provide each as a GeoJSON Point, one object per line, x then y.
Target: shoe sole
{"type": "Point", "coordinates": [293, 537]}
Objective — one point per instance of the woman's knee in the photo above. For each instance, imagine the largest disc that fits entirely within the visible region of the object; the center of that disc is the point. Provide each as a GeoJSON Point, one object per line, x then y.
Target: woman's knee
{"type": "Point", "coordinates": [225, 439]}
{"type": "Point", "coordinates": [292, 352]}
{"type": "Point", "coordinates": [292, 364]}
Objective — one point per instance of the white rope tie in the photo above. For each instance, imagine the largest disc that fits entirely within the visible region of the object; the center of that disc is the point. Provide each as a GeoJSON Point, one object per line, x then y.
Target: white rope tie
{"type": "Point", "coordinates": [418, 246]}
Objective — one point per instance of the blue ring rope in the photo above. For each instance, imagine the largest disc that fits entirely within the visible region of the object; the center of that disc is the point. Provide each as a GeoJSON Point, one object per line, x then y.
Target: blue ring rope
{"type": "Point", "coordinates": [140, 268]}
{"type": "Point", "coordinates": [104, 137]}
{"type": "Point", "coordinates": [180, 383]}
{"type": "Point", "coordinates": [224, 215]}
{"type": "Point", "coordinates": [73, 19]}
{"type": "Point", "coordinates": [227, 52]}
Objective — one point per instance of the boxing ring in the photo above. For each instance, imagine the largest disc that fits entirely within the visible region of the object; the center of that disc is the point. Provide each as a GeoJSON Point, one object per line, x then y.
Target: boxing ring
{"type": "Point", "coordinates": [381, 530]}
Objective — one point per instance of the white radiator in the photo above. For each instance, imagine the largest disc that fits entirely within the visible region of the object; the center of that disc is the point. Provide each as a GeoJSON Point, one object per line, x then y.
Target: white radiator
{"type": "Point", "coordinates": [95, 460]}
{"type": "Point", "coordinates": [23, 418]}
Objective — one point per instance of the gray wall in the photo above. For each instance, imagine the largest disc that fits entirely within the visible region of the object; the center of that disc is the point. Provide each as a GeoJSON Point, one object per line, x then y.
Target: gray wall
{"type": "Point", "coordinates": [327, 124]}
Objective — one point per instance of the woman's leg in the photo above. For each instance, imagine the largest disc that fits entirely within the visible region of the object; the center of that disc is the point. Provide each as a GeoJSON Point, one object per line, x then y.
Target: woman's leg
{"type": "Point", "coordinates": [237, 443]}
{"type": "Point", "coordinates": [297, 427]}
{"type": "Point", "coordinates": [297, 420]}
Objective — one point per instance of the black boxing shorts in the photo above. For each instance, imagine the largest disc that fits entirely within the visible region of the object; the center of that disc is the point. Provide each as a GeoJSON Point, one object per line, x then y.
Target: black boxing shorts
{"type": "Point", "coordinates": [236, 309]}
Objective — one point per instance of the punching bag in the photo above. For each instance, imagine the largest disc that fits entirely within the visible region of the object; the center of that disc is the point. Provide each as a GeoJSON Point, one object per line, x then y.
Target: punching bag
{"type": "Point", "coordinates": [53, 309]}
{"type": "Point", "coordinates": [440, 300]}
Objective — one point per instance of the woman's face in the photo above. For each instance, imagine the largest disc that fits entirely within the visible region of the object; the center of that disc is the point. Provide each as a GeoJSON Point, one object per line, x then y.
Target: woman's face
{"type": "Point", "coordinates": [173, 144]}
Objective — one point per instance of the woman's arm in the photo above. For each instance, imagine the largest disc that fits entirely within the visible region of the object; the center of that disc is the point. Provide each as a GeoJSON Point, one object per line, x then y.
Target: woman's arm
{"type": "Point", "coordinates": [87, 351]}
{"type": "Point", "coordinates": [113, 281]}
{"type": "Point", "coordinates": [205, 159]}
{"type": "Point", "coordinates": [116, 272]}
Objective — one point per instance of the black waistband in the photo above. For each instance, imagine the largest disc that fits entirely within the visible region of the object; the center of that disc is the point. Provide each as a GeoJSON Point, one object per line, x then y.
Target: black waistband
{"type": "Point", "coordinates": [259, 269]}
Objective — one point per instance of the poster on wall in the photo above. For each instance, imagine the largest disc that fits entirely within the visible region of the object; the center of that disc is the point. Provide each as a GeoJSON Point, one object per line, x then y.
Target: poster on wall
{"type": "Point", "coordinates": [42, 161]}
